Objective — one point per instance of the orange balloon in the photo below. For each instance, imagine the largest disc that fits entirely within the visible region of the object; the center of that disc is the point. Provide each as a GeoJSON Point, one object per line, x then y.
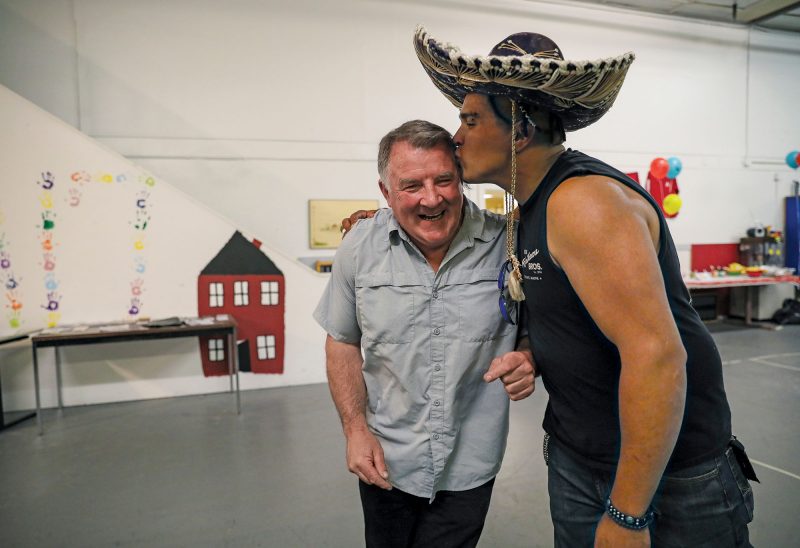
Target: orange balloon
{"type": "Point", "coordinates": [659, 168]}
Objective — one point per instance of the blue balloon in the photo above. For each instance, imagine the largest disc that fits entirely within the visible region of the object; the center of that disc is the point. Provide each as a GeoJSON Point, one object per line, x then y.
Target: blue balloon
{"type": "Point", "coordinates": [791, 159]}
{"type": "Point", "coordinates": [675, 167]}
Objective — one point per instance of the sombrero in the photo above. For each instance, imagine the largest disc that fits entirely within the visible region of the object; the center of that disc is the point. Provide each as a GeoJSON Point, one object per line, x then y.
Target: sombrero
{"type": "Point", "coordinates": [528, 68]}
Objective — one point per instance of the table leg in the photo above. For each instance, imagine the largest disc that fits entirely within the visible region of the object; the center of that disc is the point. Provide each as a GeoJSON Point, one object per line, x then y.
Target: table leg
{"type": "Point", "coordinates": [234, 365]}
{"type": "Point", "coordinates": [748, 305]}
{"type": "Point", "coordinates": [58, 378]}
{"type": "Point", "coordinates": [36, 390]}
{"type": "Point", "coordinates": [231, 352]}
{"type": "Point", "coordinates": [748, 312]}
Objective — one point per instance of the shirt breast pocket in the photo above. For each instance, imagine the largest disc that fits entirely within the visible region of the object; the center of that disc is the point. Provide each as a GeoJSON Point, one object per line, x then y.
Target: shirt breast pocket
{"type": "Point", "coordinates": [385, 308]}
{"type": "Point", "coordinates": [479, 316]}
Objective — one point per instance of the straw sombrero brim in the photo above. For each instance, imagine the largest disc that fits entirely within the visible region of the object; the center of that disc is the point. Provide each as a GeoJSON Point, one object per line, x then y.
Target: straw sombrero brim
{"type": "Point", "coordinates": [578, 92]}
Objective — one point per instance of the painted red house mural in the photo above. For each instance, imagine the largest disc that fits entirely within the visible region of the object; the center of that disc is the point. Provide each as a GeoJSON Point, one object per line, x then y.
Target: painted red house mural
{"type": "Point", "coordinates": [243, 282]}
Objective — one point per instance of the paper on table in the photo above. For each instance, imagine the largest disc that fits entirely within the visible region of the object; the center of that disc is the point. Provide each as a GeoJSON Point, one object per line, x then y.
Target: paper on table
{"type": "Point", "coordinates": [173, 321]}
{"type": "Point", "coordinates": [199, 321]}
{"type": "Point", "coordinates": [115, 327]}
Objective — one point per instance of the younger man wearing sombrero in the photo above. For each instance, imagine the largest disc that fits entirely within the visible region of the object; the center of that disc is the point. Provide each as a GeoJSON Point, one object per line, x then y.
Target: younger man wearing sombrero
{"type": "Point", "coordinates": [638, 434]}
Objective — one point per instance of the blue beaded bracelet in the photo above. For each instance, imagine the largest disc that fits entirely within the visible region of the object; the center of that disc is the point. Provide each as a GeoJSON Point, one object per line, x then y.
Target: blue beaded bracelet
{"type": "Point", "coordinates": [629, 522]}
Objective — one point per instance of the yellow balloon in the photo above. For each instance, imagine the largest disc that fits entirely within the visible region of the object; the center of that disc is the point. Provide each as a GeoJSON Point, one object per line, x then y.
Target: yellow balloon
{"type": "Point", "coordinates": [672, 204]}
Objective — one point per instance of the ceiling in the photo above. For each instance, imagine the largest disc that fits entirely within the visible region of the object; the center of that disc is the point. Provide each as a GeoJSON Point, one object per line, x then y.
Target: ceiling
{"type": "Point", "coordinates": [771, 14]}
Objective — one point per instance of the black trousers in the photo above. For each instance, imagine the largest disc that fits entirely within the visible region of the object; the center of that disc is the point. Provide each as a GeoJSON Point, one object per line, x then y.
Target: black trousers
{"type": "Point", "coordinates": [394, 519]}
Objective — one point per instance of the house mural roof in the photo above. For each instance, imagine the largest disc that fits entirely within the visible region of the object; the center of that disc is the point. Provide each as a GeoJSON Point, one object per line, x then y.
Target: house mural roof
{"type": "Point", "coordinates": [241, 256]}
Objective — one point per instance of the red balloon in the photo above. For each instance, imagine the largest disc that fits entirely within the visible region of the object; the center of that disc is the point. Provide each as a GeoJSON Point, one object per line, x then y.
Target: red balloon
{"type": "Point", "coordinates": [659, 168]}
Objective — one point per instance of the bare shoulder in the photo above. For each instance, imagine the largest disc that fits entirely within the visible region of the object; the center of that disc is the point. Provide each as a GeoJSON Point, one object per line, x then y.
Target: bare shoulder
{"type": "Point", "coordinates": [594, 203]}
{"type": "Point", "coordinates": [604, 237]}
{"type": "Point", "coordinates": [594, 191]}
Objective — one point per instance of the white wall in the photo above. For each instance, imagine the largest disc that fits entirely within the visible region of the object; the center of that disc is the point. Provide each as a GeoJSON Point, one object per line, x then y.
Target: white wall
{"type": "Point", "coordinates": [344, 71]}
{"type": "Point", "coordinates": [95, 266]}
{"type": "Point", "coordinates": [253, 107]}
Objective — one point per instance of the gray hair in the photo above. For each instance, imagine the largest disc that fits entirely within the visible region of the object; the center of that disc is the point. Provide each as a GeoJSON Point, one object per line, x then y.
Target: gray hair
{"type": "Point", "coordinates": [417, 133]}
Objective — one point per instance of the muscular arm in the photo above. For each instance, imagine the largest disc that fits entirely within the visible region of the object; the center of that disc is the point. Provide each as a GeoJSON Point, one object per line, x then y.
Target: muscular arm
{"type": "Point", "coordinates": [605, 238]}
{"type": "Point", "coordinates": [364, 453]}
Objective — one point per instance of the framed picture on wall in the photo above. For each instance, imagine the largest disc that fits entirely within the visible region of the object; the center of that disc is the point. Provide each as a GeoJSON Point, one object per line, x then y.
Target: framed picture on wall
{"type": "Point", "coordinates": [325, 217]}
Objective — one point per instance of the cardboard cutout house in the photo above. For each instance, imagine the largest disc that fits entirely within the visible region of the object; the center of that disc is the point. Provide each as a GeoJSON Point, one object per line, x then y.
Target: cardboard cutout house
{"type": "Point", "coordinates": [243, 282]}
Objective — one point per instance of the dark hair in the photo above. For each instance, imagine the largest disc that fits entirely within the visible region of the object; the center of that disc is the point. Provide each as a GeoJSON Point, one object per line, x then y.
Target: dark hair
{"type": "Point", "coordinates": [417, 133]}
{"type": "Point", "coordinates": [552, 134]}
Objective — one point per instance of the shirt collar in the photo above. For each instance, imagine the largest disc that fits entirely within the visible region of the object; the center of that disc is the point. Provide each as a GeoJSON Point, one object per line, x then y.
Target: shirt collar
{"type": "Point", "coordinates": [473, 227]}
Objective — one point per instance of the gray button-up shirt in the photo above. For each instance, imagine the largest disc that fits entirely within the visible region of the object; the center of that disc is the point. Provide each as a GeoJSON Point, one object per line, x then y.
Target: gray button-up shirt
{"type": "Point", "coordinates": [427, 340]}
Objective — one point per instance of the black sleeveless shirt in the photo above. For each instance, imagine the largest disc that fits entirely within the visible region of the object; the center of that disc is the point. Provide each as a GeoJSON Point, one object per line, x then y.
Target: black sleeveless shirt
{"type": "Point", "coordinates": [580, 367]}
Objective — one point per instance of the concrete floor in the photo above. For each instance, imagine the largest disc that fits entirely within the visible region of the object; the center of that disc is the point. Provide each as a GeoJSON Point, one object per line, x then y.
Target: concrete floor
{"type": "Point", "coordinates": [190, 472]}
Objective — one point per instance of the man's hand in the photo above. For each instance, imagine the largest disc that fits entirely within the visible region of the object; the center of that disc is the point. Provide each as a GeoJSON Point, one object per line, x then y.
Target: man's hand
{"type": "Point", "coordinates": [516, 370]}
{"type": "Point", "coordinates": [365, 459]}
{"type": "Point", "coordinates": [348, 222]}
{"type": "Point", "coordinates": [611, 535]}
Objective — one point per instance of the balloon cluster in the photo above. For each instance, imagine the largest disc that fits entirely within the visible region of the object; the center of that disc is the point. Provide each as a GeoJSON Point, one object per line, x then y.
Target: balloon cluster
{"type": "Point", "coordinates": [793, 159]}
{"type": "Point", "coordinates": [668, 168]}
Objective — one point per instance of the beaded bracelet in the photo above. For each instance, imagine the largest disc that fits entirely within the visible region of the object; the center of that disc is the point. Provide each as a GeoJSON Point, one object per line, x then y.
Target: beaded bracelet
{"type": "Point", "coordinates": [629, 522]}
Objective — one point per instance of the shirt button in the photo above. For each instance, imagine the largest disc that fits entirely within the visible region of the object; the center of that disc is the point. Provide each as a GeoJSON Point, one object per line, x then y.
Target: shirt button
{"type": "Point", "coordinates": [436, 436]}
{"type": "Point", "coordinates": [437, 331]}
{"type": "Point", "coordinates": [437, 367]}
{"type": "Point", "coordinates": [435, 294]}
{"type": "Point", "coordinates": [436, 403]}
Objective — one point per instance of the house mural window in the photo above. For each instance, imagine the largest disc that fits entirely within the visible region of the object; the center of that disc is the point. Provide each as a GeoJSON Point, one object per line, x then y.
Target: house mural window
{"type": "Point", "coordinates": [216, 350]}
{"type": "Point", "coordinates": [215, 294]}
{"type": "Point", "coordinates": [269, 293]}
{"type": "Point", "coordinates": [240, 297]}
{"type": "Point", "coordinates": [266, 347]}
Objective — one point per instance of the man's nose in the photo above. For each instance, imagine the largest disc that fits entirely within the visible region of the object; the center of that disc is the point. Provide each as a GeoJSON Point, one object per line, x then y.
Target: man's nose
{"type": "Point", "coordinates": [431, 196]}
{"type": "Point", "coordinates": [458, 140]}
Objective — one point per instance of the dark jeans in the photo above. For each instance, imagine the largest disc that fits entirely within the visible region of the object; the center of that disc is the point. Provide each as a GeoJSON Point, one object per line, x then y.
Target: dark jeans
{"type": "Point", "coordinates": [703, 506]}
{"type": "Point", "coordinates": [397, 519]}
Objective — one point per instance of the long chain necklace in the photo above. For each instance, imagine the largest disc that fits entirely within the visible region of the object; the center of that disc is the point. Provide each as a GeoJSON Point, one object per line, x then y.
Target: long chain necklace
{"type": "Point", "coordinates": [515, 280]}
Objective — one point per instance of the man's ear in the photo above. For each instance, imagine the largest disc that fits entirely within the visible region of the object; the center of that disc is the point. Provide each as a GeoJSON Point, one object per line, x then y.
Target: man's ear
{"type": "Point", "coordinates": [384, 190]}
{"type": "Point", "coordinates": [523, 137]}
